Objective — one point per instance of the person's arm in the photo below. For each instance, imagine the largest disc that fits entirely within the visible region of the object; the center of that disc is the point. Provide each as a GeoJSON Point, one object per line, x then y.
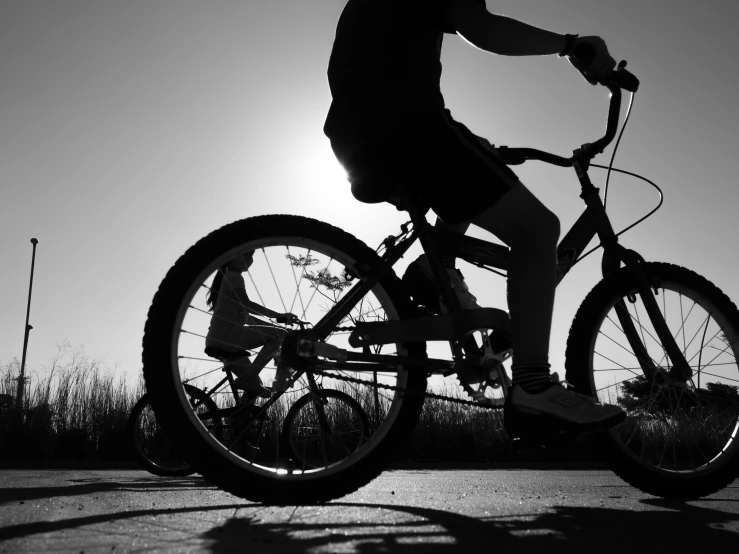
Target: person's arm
{"type": "Point", "coordinates": [258, 309]}
{"type": "Point", "coordinates": [503, 35]}
{"type": "Point", "coordinates": [499, 34]}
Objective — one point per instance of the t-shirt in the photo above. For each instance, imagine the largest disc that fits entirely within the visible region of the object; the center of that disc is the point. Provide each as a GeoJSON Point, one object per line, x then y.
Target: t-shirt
{"type": "Point", "coordinates": [385, 69]}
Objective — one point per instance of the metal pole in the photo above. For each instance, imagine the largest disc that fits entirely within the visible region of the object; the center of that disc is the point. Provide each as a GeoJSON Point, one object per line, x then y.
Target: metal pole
{"type": "Point", "coordinates": [22, 376]}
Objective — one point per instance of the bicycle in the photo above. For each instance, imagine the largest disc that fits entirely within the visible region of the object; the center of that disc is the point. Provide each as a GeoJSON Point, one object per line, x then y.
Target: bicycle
{"type": "Point", "coordinates": [160, 455]}
{"type": "Point", "coordinates": [657, 338]}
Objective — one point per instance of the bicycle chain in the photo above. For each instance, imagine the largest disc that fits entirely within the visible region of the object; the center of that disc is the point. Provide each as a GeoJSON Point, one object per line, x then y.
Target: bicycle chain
{"type": "Point", "coordinates": [402, 389]}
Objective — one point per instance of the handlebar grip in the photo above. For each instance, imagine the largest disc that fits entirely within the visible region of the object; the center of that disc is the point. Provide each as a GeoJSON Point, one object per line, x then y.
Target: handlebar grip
{"type": "Point", "coordinates": [622, 79]}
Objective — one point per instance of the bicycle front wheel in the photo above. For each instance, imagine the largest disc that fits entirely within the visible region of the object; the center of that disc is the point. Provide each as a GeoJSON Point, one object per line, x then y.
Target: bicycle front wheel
{"type": "Point", "coordinates": [326, 429]}
{"type": "Point", "coordinates": [305, 267]}
{"type": "Point", "coordinates": [681, 436]}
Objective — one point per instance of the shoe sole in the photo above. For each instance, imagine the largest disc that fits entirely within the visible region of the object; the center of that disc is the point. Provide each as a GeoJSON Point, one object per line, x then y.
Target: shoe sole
{"type": "Point", "coordinates": [523, 425]}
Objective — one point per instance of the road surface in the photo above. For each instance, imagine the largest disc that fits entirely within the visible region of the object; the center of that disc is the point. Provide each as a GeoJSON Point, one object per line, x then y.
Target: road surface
{"type": "Point", "coordinates": [404, 511]}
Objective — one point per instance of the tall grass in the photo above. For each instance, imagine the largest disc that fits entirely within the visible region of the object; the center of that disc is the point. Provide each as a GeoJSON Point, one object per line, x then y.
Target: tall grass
{"type": "Point", "coordinates": [450, 431]}
{"type": "Point", "coordinates": [78, 397]}
{"type": "Point", "coordinates": [75, 397]}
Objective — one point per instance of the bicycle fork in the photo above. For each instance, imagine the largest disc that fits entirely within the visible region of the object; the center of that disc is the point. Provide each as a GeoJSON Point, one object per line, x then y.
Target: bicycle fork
{"type": "Point", "coordinates": [680, 370]}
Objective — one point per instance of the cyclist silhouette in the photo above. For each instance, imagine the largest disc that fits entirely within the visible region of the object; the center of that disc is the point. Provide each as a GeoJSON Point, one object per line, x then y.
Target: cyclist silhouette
{"type": "Point", "coordinates": [388, 118]}
{"type": "Point", "coordinates": [234, 329]}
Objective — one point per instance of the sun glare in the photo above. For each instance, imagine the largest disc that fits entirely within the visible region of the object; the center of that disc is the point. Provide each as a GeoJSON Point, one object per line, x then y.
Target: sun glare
{"type": "Point", "coordinates": [322, 167]}
{"type": "Point", "coordinates": [325, 181]}
{"type": "Point", "coordinates": [322, 192]}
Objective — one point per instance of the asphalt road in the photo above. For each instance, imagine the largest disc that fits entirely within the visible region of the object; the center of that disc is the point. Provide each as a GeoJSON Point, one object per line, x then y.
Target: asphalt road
{"type": "Point", "coordinates": [404, 511]}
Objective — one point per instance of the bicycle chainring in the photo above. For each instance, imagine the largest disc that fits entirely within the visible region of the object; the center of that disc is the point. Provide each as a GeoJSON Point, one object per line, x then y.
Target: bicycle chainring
{"type": "Point", "coordinates": [485, 383]}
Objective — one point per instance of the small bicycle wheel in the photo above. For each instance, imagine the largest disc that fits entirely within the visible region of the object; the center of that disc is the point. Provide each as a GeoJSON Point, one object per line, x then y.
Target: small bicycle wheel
{"type": "Point", "coordinates": [153, 448]}
{"type": "Point", "coordinates": [681, 437]}
{"type": "Point", "coordinates": [322, 432]}
{"type": "Point", "coordinates": [304, 267]}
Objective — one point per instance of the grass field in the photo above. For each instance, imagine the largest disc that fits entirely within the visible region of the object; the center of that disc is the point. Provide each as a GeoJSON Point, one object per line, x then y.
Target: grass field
{"type": "Point", "coordinates": [79, 409]}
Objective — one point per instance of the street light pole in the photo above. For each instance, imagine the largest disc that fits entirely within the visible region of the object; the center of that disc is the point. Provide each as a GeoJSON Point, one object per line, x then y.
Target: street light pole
{"type": "Point", "coordinates": [22, 376]}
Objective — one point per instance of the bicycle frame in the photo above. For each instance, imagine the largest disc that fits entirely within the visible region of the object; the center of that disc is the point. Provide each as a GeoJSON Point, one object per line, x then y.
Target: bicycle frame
{"type": "Point", "coordinates": [593, 221]}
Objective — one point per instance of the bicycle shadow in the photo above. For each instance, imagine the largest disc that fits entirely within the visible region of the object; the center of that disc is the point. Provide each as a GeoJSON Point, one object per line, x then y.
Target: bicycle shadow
{"type": "Point", "coordinates": [373, 528]}
{"type": "Point", "coordinates": [82, 487]}
{"type": "Point", "coordinates": [25, 530]}
{"type": "Point", "coordinates": [682, 528]}
{"type": "Point", "coordinates": [412, 529]}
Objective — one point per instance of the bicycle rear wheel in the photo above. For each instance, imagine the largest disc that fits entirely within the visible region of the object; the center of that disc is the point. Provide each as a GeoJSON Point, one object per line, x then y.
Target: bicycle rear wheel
{"type": "Point", "coordinates": [301, 266]}
{"type": "Point", "coordinates": [681, 437]}
{"type": "Point", "coordinates": [153, 448]}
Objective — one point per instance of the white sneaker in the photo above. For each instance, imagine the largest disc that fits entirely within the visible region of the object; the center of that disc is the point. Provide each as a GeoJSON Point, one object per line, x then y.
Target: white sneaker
{"type": "Point", "coordinates": [251, 384]}
{"type": "Point", "coordinates": [557, 409]}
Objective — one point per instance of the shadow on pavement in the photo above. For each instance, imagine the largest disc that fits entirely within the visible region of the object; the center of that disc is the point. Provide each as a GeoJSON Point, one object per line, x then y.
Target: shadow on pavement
{"type": "Point", "coordinates": [27, 529]}
{"type": "Point", "coordinates": [373, 528]}
{"type": "Point", "coordinates": [684, 528]}
{"type": "Point", "coordinates": [82, 487]}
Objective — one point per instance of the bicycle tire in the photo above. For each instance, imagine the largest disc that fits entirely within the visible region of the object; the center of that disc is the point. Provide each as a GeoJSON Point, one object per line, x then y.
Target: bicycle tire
{"type": "Point", "coordinates": [151, 446]}
{"type": "Point", "coordinates": [348, 431]}
{"type": "Point", "coordinates": [680, 440]}
{"type": "Point", "coordinates": [173, 353]}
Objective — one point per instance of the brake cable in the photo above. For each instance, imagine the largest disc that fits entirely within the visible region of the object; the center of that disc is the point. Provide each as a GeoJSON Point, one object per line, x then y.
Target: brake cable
{"type": "Point", "coordinates": [609, 168]}
{"type": "Point", "coordinates": [615, 148]}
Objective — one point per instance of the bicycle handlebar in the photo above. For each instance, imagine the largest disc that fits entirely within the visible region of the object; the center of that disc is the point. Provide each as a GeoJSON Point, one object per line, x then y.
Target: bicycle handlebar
{"type": "Point", "coordinates": [618, 79]}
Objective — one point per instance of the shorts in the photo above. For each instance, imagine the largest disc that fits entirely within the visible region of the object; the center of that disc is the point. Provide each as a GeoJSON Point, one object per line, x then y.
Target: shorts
{"type": "Point", "coordinates": [457, 173]}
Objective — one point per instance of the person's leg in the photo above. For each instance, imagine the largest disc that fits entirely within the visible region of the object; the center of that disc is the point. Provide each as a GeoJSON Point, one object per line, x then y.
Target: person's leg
{"type": "Point", "coordinates": [250, 337]}
{"type": "Point", "coordinates": [457, 173]}
{"type": "Point", "coordinates": [531, 231]}
{"type": "Point", "coordinates": [534, 405]}
{"type": "Point", "coordinates": [458, 229]}
{"type": "Point", "coordinates": [268, 336]}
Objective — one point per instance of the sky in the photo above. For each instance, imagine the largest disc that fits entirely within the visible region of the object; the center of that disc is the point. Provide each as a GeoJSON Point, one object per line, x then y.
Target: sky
{"type": "Point", "coordinates": [129, 130]}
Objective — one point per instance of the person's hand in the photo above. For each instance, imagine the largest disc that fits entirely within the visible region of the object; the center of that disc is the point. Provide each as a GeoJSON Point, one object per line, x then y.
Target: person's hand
{"type": "Point", "coordinates": [591, 58]}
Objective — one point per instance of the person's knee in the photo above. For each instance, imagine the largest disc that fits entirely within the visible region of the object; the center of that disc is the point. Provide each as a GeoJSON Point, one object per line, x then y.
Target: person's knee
{"type": "Point", "coordinates": [521, 221]}
{"type": "Point", "coordinates": [541, 229]}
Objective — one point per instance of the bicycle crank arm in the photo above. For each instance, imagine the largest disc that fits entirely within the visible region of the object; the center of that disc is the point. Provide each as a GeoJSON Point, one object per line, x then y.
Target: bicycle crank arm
{"type": "Point", "coordinates": [430, 328]}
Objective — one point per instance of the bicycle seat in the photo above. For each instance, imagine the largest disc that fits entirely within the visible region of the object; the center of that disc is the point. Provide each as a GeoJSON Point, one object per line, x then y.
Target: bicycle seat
{"type": "Point", "coordinates": [372, 186]}
{"type": "Point", "coordinates": [225, 355]}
